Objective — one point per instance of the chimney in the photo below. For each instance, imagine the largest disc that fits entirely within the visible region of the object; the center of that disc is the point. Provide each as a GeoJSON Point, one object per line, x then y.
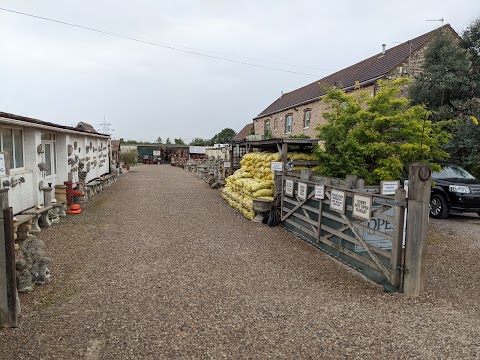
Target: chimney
{"type": "Point", "coordinates": [384, 46]}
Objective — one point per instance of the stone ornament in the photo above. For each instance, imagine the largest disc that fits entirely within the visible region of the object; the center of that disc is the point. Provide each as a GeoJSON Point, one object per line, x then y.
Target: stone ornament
{"type": "Point", "coordinates": [42, 166]}
{"type": "Point", "coordinates": [32, 268]}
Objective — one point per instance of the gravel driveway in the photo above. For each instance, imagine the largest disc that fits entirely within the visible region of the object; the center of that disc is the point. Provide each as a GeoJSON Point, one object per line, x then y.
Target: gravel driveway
{"type": "Point", "coordinates": [160, 267]}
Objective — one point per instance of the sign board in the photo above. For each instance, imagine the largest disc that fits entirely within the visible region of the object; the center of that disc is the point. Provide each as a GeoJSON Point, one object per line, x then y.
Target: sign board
{"type": "Point", "coordinates": [320, 192]}
{"type": "Point", "coordinates": [276, 166]}
{"type": "Point", "coordinates": [389, 187]}
{"type": "Point", "coordinates": [381, 225]}
{"type": "Point", "coordinates": [302, 191]}
{"type": "Point", "coordinates": [289, 187]}
{"type": "Point", "coordinates": [337, 201]}
{"type": "Point", "coordinates": [157, 153]}
{"type": "Point", "coordinates": [3, 165]}
{"type": "Point", "coordinates": [226, 164]}
{"type": "Point", "coordinates": [362, 206]}
{"type": "Point", "coordinates": [197, 149]}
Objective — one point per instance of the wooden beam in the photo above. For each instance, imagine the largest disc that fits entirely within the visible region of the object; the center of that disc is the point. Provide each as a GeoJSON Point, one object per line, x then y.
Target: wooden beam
{"type": "Point", "coordinates": [419, 188]}
{"type": "Point", "coordinates": [350, 253]}
{"type": "Point", "coordinates": [300, 227]}
{"type": "Point", "coordinates": [397, 241]}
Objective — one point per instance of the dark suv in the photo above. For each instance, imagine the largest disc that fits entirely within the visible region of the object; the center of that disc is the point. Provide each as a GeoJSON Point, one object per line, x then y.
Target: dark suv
{"type": "Point", "coordinates": [454, 189]}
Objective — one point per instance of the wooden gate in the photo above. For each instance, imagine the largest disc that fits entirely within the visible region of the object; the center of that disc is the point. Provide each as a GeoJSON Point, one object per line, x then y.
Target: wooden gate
{"type": "Point", "coordinates": [363, 229]}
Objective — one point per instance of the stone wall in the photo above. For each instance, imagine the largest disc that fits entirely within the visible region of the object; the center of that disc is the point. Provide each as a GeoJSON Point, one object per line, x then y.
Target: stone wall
{"type": "Point", "coordinates": [317, 108]}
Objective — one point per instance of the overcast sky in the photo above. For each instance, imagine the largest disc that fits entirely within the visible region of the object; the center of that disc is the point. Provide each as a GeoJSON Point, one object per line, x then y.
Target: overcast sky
{"type": "Point", "coordinates": [64, 75]}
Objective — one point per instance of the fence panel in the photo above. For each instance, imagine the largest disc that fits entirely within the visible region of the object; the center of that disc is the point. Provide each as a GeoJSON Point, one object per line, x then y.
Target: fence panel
{"type": "Point", "coordinates": [362, 229]}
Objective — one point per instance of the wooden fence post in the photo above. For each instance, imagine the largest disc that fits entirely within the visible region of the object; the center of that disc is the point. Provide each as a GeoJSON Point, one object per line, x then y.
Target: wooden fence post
{"type": "Point", "coordinates": [419, 188]}
{"type": "Point", "coordinates": [397, 242]}
{"type": "Point", "coordinates": [305, 174]}
{"type": "Point", "coordinates": [9, 305]}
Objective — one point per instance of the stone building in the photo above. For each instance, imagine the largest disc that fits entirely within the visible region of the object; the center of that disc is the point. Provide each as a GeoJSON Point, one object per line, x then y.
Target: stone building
{"type": "Point", "coordinates": [300, 111]}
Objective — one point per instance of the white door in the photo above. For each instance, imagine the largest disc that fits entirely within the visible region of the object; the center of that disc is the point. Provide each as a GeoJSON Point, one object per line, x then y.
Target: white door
{"type": "Point", "coordinates": [50, 159]}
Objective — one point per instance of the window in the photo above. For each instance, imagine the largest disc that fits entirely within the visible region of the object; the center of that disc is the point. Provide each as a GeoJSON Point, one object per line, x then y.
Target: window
{"type": "Point", "coordinates": [288, 124]}
{"type": "Point", "coordinates": [12, 144]}
{"type": "Point", "coordinates": [275, 125]}
{"type": "Point", "coordinates": [267, 128]}
{"type": "Point", "coordinates": [306, 119]}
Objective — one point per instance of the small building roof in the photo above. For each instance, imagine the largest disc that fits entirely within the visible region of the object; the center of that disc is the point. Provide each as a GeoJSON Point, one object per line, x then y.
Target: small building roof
{"type": "Point", "coordinates": [365, 72]}
{"type": "Point", "coordinates": [242, 134]}
{"type": "Point", "coordinates": [81, 127]}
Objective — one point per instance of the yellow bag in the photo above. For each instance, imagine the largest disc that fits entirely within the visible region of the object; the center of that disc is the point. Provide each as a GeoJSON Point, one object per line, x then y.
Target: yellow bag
{"type": "Point", "coordinates": [262, 192]}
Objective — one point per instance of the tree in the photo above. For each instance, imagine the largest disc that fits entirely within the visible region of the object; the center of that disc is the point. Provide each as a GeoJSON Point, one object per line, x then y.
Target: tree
{"type": "Point", "coordinates": [159, 140]}
{"type": "Point", "coordinates": [224, 137]}
{"type": "Point", "coordinates": [471, 42]}
{"type": "Point", "coordinates": [449, 85]}
{"type": "Point", "coordinates": [377, 138]}
{"type": "Point", "coordinates": [179, 141]}
{"type": "Point", "coordinates": [168, 142]}
{"type": "Point", "coordinates": [199, 142]}
{"type": "Point", "coordinates": [445, 76]}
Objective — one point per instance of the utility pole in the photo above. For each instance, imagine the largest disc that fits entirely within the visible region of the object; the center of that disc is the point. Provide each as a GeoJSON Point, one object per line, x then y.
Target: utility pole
{"type": "Point", "coordinates": [106, 127]}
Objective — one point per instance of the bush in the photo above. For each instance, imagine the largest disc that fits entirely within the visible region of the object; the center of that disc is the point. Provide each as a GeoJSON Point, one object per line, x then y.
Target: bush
{"type": "Point", "coordinates": [129, 157]}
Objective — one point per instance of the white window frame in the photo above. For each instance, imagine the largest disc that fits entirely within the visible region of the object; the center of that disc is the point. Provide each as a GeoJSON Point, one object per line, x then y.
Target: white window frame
{"type": "Point", "coordinates": [305, 125]}
{"type": "Point", "coordinates": [2, 129]}
{"type": "Point", "coordinates": [287, 125]}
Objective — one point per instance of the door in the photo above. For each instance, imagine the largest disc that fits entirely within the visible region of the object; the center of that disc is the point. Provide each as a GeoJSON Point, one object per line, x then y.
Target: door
{"type": "Point", "coordinates": [50, 159]}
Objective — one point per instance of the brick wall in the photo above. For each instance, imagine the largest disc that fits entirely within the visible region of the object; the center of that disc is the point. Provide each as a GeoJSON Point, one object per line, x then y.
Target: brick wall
{"type": "Point", "coordinates": [316, 108]}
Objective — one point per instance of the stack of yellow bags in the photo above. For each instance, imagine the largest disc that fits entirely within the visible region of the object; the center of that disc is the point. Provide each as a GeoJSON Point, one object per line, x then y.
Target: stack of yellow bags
{"type": "Point", "coordinates": [253, 180]}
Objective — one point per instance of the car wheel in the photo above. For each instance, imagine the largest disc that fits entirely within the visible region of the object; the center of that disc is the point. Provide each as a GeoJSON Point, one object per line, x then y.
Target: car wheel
{"type": "Point", "coordinates": [438, 207]}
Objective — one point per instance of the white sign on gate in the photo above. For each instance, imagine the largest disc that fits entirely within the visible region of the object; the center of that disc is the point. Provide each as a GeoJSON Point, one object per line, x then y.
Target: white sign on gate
{"type": "Point", "coordinates": [320, 192]}
{"type": "Point", "coordinates": [226, 164]}
{"type": "Point", "coordinates": [289, 187]}
{"type": "Point", "coordinates": [389, 187]}
{"type": "Point", "coordinates": [302, 191]}
{"type": "Point", "coordinates": [276, 166]}
{"type": "Point", "coordinates": [337, 201]}
{"type": "Point", "coordinates": [362, 206]}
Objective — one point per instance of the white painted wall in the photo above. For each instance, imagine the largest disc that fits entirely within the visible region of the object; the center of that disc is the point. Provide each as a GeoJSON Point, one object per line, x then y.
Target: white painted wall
{"type": "Point", "coordinates": [25, 195]}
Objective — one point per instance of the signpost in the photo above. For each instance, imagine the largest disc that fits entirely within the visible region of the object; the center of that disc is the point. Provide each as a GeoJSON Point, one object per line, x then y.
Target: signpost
{"type": "Point", "coordinates": [302, 191]}
{"type": "Point", "coordinates": [289, 187]}
{"type": "Point", "coordinates": [320, 192]}
{"type": "Point", "coordinates": [276, 166]}
{"type": "Point", "coordinates": [337, 201]}
{"type": "Point", "coordinates": [362, 207]}
{"type": "Point", "coordinates": [389, 187]}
